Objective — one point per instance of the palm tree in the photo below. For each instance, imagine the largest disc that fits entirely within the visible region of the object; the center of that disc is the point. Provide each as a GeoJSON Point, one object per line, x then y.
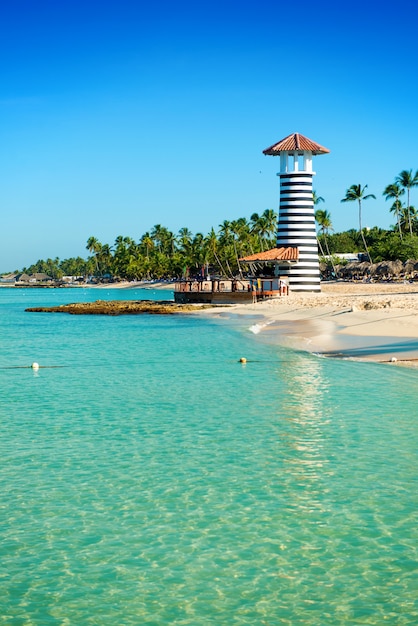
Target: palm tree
{"type": "Point", "coordinates": [94, 246]}
{"type": "Point", "coordinates": [124, 249]}
{"type": "Point", "coordinates": [148, 243]}
{"type": "Point", "coordinates": [270, 225]}
{"type": "Point", "coordinates": [225, 241]}
{"type": "Point", "coordinates": [225, 231]}
{"type": "Point", "coordinates": [185, 237]}
{"type": "Point", "coordinates": [198, 252]}
{"type": "Point", "coordinates": [212, 244]}
{"type": "Point", "coordinates": [393, 192]}
{"type": "Point", "coordinates": [406, 218]}
{"type": "Point", "coordinates": [105, 256]}
{"type": "Point", "coordinates": [257, 228]}
{"type": "Point", "coordinates": [397, 208]}
{"type": "Point", "coordinates": [407, 181]}
{"type": "Point", "coordinates": [264, 227]}
{"type": "Point", "coordinates": [317, 199]}
{"type": "Point", "coordinates": [413, 213]}
{"type": "Point", "coordinates": [240, 231]}
{"type": "Point", "coordinates": [323, 219]}
{"type": "Point", "coordinates": [163, 238]}
{"type": "Point", "coordinates": [356, 193]}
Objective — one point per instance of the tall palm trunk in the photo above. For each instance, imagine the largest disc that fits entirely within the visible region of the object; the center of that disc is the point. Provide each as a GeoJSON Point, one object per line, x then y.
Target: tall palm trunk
{"type": "Point", "coordinates": [361, 231]}
{"type": "Point", "coordinates": [320, 246]}
{"type": "Point", "coordinates": [356, 192]}
{"type": "Point", "coordinates": [398, 218]}
{"type": "Point", "coordinates": [218, 260]}
{"type": "Point", "coordinates": [409, 214]}
{"type": "Point", "coordinates": [329, 254]}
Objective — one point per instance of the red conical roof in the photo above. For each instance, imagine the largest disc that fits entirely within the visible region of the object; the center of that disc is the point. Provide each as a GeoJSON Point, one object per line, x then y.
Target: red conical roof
{"type": "Point", "coordinates": [295, 143]}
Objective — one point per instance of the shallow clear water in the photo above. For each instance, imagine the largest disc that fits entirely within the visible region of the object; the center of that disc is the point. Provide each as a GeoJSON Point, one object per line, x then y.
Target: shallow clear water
{"type": "Point", "coordinates": [150, 478]}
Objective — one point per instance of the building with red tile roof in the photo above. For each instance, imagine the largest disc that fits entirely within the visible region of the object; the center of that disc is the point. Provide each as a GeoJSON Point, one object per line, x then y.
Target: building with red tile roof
{"type": "Point", "coordinates": [295, 143]}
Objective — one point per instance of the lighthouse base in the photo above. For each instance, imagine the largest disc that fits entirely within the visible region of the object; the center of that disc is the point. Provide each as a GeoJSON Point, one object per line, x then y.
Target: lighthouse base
{"type": "Point", "coordinates": [305, 289]}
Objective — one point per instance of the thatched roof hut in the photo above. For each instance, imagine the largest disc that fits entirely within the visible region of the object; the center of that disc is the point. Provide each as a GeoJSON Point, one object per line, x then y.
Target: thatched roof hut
{"type": "Point", "coordinates": [411, 266]}
{"type": "Point", "coordinates": [355, 270]}
{"type": "Point", "coordinates": [388, 268]}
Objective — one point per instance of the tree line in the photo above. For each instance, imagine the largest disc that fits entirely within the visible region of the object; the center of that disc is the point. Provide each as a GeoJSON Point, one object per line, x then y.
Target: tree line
{"type": "Point", "coordinates": [162, 254]}
{"type": "Point", "coordinates": [377, 244]}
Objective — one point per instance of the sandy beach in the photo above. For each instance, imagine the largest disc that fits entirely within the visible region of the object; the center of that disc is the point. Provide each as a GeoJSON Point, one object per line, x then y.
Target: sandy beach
{"type": "Point", "coordinates": [376, 322]}
{"type": "Point", "coordinates": [364, 321]}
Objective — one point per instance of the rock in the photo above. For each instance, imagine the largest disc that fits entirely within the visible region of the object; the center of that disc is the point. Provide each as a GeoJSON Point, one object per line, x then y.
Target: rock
{"type": "Point", "coordinates": [119, 307]}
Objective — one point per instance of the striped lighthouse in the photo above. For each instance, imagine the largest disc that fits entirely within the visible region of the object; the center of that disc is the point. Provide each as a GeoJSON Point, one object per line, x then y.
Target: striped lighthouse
{"type": "Point", "coordinates": [296, 224]}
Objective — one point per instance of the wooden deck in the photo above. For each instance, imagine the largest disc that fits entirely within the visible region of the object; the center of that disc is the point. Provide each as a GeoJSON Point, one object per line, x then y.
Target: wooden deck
{"type": "Point", "coordinates": [226, 291]}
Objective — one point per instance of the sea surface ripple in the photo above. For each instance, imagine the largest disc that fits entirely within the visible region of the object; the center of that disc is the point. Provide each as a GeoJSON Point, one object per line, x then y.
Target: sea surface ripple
{"type": "Point", "coordinates": [148, 477]}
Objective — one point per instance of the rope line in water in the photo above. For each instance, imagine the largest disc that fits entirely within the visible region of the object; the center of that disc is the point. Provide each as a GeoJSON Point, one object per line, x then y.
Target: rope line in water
{"type": "Point", "coordinates": [30, 367]}
{"type": "Point", "coordinates": [36, 367]}
{"type": "Point", "coordinates": [243, 361]}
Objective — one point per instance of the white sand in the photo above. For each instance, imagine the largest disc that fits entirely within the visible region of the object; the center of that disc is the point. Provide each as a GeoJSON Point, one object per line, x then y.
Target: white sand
{"type": "Point", "coordinates": [376, 322]}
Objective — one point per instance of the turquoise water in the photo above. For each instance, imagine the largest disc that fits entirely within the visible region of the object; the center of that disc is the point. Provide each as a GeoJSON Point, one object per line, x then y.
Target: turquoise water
{"type": "Point", "coordinates": [150, 478]}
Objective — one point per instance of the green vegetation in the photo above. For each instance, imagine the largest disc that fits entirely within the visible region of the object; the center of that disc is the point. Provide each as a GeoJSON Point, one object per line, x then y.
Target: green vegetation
{"type": "Point", "coordinates": [356, 194]}
{"type": "Point", "coordinates": [161, 254]}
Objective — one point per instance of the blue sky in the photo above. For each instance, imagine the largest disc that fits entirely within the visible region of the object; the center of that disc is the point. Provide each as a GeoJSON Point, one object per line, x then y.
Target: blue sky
{"type": "Point", "coordinates": [119, 115]}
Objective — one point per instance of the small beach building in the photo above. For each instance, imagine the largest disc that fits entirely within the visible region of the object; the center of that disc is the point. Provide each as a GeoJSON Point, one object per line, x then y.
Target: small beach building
{"type": "Point", "coordinates": [273, 283]}
{"type": "Point", "coordinates": [263, 280]}
{"type": "Point", "coordinates": [296, 223]}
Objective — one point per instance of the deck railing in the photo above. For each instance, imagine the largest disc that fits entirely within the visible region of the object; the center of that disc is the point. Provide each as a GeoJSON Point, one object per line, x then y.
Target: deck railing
{"type": "Point", "coordinates": [259, 287]}
{"type": "Point", "coordinates": [212, 286]}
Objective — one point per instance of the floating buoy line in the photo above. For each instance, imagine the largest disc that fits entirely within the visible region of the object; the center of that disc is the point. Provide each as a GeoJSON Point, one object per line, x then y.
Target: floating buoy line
{"type": "Point", "coordinates": [34, 366]}
{"type": "Point", "coordinates": [243, 360]}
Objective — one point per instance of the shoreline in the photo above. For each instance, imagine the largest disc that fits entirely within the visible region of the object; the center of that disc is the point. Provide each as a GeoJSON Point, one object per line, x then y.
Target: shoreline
{"type": "Point", "coordinates": [360, 321]}
{"type": "Point", "coordinates": [120, 285]}
{"type": "Point", "coordinates": [375, 322]}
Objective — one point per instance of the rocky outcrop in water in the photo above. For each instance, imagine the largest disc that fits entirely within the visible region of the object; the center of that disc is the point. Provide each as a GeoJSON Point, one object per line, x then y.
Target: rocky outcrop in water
{"type": "Point", "coordinates": [118, 307]}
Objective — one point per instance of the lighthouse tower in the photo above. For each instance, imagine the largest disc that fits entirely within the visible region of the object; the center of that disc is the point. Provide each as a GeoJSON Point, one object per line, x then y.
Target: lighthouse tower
{"type": "Point", "coordinates": [296, 224]}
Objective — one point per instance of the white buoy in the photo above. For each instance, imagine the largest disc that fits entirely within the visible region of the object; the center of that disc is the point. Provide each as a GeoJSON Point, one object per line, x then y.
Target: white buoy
{"type": "Point", "coordinates": [35, 366]}
{"type": "Point", "coordinates": [393, 359]}
{"type": "Point", "coordinates": [243, 360]}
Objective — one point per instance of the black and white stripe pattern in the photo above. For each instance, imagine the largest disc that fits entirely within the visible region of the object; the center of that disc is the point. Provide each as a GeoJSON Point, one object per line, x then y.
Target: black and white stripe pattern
{"type": "Point", "coordinates": [296, 227]}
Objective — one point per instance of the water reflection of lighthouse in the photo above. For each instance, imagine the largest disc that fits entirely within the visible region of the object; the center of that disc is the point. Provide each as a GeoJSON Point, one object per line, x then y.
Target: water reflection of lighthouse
{"type": "Point", "coordinates": [296, 225]}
